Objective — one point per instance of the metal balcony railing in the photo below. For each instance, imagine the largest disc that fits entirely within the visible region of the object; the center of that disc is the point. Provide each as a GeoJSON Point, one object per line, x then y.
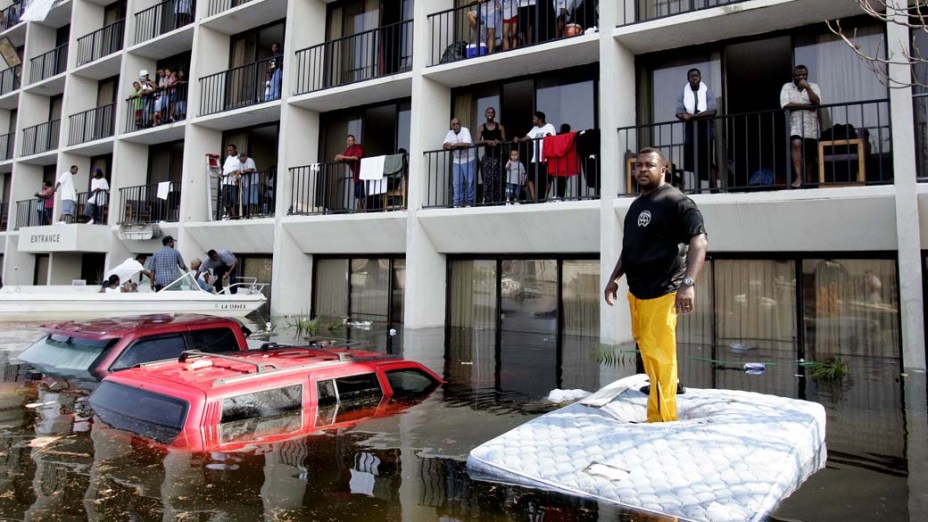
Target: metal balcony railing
{"type": "Point", "coordinates": [145, 204]}
{"type": "Point", "coordinates": [473, 30]}
{"type": "Point", "coordinates": [4, 216]}
{"type": "Point", "coordinates": [163, 18]}
{"type": "Point", "coordinates": [49, 64]}
{"type": "Point", "coordinates": [6, 146]}
{"type": "Point", "coordinates": [92, 125]}
{"type": "Point", "coordinates": [41, 138]}
{"type": "Point", "coordinates": [571, 175]}
{"type": "Point", "coordinates": [251, 196]}
{"type": "Point", "coordinates": [331, 188]}
{"type": "Point", "coordinates": [10, 79]}
{"type": "Point", "coordinates": [32, 213]}
{"type": "Point", "coordinates": [9, 16]}
{"type": "Point", "coordinates": [754, 151]}
{"type": "Point", "coordinates": [156, 108]}
{"type": "Point", "coordinates": [240, 87]}
{"type": "Point", "coordinates": [379, 52]}
{"type": "Point", "coordinates": [920, 100]}
{"type": "Point", "coordinates": [652, 9]}
{"type": "Point", "coordinates": [101, 42]}
{"type": "Point", "coordinates": [218, 6]}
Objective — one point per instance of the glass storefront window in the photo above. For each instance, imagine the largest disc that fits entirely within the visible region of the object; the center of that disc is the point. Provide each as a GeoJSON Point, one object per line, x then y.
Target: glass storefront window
{"type": "Point", "coordinates": [473, 294]}
{"type": "Point", "coordinates": [370, 280]}
{"type": "Point", "coordinates": [528, 288]}
{"type": "Point", "coordinates": [361, 289]}
{"type": "Point", "coordinates": [580, 297]}
{"type": "Point", "coordinates": [329, 285]}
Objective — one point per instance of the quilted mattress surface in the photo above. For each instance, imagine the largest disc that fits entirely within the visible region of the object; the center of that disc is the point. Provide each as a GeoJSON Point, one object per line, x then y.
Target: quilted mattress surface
{"type": "Point", "coordinates": [732, 455]}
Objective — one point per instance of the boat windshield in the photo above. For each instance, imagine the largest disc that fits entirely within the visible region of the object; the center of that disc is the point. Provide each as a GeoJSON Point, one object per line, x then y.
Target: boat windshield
{"type": "Point", "coordinates": [63, 354]}
{"type": "Point", "coordinates": [142, 412]}
{"type": "Point", "coordinates": [185, 283]}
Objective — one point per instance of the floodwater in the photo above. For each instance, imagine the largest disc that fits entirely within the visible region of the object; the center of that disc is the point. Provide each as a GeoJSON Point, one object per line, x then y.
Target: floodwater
{"type": "Point", "coordinates": [58, 463]}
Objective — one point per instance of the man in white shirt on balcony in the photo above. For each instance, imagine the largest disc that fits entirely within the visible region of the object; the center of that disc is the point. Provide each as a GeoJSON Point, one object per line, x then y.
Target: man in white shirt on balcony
{"type": "Point", "coordinates": [65, 187]}
{"type": "Point", "coordinates": [251, 187]}
{"type": "Point", "coordinates": [802, 98]}
{"type": "Point", "coordinates": [538, 170]}
{"type": "Point", "coordinates": [231, 176]}
{"type": "Point", "coordinates": [464, 164]}
{"type": "Point", "coordinates": [99, 188]}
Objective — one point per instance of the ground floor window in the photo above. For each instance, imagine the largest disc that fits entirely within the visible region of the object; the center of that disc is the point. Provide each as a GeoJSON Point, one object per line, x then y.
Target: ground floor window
{"type": "Point", "coordinates": [259, 267]}
{"type": "Point", "coordinates": [359, 289]}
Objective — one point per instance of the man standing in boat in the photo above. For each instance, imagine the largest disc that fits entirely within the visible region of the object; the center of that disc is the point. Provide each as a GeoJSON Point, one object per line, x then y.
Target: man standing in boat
{"type": "Point", "coordinates": [166, 265]}
{"type": "Point", "coordinates": [663, 251]}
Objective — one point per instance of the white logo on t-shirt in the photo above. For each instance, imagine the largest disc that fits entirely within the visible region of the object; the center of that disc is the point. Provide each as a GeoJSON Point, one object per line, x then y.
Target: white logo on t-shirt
{"type": "Point", "coordinates": [644, 218]}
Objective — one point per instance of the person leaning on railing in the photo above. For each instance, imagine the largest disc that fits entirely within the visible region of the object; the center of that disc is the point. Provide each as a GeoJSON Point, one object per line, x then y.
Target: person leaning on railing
{"type": "Point", "coordinates": [99, 188]}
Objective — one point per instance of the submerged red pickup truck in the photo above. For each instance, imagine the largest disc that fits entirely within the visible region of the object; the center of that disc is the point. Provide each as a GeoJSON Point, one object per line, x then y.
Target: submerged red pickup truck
{"type": "Point", "coordinates": [226, 402]}
{"type": "Point", "coordinates": [94, 349]}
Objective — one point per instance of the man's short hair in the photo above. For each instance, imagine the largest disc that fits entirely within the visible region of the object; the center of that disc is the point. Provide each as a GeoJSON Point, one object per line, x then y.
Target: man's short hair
{"type": "Point", "coordinates": [652, 150]}
{"type": "Point", "coordinates": [800, 66]}
{"type": "Point", "coordinates": [211, 253]}
{"type": "Point", "coordinates": [693, 70]}
{"type": "Point", "coordinates": [232, 145]}
{"type": "Point", "coordinates": [351, 136]}
{"type": "Point", "coordinates": [541, 116]}
{"type": "Point", "coordinates": [73, 166]}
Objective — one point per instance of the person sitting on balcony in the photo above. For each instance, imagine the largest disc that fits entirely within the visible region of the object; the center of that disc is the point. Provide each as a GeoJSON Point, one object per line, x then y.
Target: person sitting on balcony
{"type": "Point", "coordinates": [491, 135]}
{"type": "Point", "coordinates": [802, 99]}
{"type": "Point", "coordinates": [464, 164]}
{"type": "Point", "coordinates": [696, 108]}
{"type": "Point", "coordinates": [489, 18]}
{"type": "Point", "coordinates": [231, 177]}
{"type": "Point", "coordinates": [99, 188]}
{"type": "Point", "coordinates": [252, 183]}
{"type": "Point", "coordinates": [46, 204]}
{"type": "Point", "coordinates": [65, 186]}
{"type": "Point", "coordinates": [538, 169]}
{"type": "Point", "coordinates": [352, 156]}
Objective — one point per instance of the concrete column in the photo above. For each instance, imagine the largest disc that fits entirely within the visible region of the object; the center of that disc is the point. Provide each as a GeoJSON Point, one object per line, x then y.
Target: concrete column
{"type": "Point", "coordinates": [616, 75]}
{"type": "Point", "coordinates": [431, 104]}
{"type": "Point", "coordinates": [902, 116]}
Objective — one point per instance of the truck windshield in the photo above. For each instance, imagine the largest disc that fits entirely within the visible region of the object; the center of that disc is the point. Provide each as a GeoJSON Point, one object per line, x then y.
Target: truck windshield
{"type": "Point", "coordinates": [139, 411]}
{"type": "Point", "coordinates": [65, 354]}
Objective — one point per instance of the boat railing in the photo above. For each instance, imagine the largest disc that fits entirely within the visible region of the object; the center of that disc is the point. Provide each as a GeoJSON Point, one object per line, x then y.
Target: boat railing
{"type": "Point", "coordinates": [249, 285]}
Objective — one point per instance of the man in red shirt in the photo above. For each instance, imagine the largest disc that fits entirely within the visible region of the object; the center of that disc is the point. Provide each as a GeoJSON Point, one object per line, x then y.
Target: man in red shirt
{"type": "Point", "coordinates": [352, 156]}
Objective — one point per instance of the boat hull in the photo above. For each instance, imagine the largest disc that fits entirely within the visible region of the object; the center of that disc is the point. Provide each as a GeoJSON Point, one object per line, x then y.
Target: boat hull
{"type": "Point", "coordinates": [54, 307]}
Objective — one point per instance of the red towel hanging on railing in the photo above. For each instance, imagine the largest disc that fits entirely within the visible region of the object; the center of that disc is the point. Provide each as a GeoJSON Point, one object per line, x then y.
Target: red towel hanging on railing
{"type": "Point", "coordinates": [561, 154]}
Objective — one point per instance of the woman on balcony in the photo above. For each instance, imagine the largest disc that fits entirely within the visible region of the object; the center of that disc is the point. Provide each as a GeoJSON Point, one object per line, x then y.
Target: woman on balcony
{"type": "Point", "coordinates": [492, 135]}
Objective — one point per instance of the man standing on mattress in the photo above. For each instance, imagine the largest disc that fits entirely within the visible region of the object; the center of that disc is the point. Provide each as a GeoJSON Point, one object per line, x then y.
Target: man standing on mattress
{"type": "Point", "coordinates": [663, 251]}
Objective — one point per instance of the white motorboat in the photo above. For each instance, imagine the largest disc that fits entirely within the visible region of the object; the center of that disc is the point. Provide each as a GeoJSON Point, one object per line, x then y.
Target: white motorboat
{"type": "Point", "coordinates": [63, 302]}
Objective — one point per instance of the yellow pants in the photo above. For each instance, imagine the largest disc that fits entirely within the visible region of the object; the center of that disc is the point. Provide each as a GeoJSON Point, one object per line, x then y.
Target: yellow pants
{"type": "Point", "coordinates": [654, 326]}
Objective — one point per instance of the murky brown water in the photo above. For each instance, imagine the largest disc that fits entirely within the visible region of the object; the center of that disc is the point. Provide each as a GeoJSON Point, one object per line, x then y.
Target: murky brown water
{"type": "Point", "coordinates": [58, 464]}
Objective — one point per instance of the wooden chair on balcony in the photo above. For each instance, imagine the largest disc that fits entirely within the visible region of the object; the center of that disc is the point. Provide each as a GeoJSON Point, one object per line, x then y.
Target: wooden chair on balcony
{"type": "Point", "coordinates": [138, 211]}
{"type": "Point", "coordinates": [847, 148]}
{"type": "Point", "coordinates": [394, 171]}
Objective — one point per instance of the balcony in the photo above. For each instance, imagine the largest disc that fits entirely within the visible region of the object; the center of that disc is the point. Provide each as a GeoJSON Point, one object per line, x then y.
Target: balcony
{"type": "Point", "coordinates": [49, 64]}
{"type": "Point", "coordinates": [10, 79]}
{"type": "Point", "coordinates": [855, 148]}
{"type": "Point", "coordinates": [41, 138]}
{"type": "Point", "coordinates": [92, 125]}
{"type": "Point", "coordinates": [157, 108]}
{"type": "Point", "coordinates": [4, 216]}
{"type": "Point", "coordinates": [31, 213]}
{"type": "Point", "coordinates": [217, 6]}
{"type": "Point", "coordinates": [240, 87]}
{"type": "Point", "coordinates": [920, 101]}
{"type": "Point", "coordinates": [645, 10]}
{"type": "Point", "coordinates": [6, 146]}
{"type": "Point", "coordinates": [100, 43]}
{"type": "Point", "coordinates": [146, 204]}
{"type": "Point", "coordinates": [163, 18]}
{"type": "Point", "coordinates": [9, 16]}
{"type": "Point", "coordinates": [252, 198]}
{"type": "Point", "coordinates": [372, 54]}
{"type": "Point", "coordinates": [101, 211]}
{"type": "Point", "coordinates": [454, 32]}
{"type": "Point", "coordinates": [330, 188]}
{"type": "Point", "coordinates": [565, 171]}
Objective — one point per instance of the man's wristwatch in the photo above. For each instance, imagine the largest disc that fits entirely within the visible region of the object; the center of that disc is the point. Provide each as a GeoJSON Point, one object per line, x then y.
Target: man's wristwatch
{"type": "Point", "coordinates": [688, 281]}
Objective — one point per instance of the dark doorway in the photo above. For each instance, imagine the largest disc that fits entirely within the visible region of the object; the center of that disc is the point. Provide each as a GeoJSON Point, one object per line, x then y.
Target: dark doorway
{"type": "Point", "coordinates": [756, 130]}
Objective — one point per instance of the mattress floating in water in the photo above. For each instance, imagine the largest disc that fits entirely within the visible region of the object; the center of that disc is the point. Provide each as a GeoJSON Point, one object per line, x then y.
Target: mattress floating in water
{"type": "Point", "coordinates": [732, 455]}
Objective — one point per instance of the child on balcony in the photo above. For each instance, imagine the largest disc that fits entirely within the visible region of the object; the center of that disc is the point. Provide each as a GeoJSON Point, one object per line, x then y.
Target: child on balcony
{"type": "Point", "coordinates": [515, 177]}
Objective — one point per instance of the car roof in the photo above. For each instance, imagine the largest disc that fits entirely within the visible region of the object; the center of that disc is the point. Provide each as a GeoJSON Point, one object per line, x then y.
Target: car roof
{"type": "Point", "coordinates": [151, 323]}
{"type": "Point", "coordinates": [220, 373]}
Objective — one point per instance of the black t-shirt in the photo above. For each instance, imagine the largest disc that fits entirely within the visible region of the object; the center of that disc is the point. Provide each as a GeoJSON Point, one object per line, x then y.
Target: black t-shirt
{"type": "Point", "coordinates": [658, 229]}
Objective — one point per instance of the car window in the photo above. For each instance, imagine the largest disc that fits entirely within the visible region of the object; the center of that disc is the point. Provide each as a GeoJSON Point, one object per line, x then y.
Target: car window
{"type": "Point", "coordinates": [344, 395]}
{"type": "Point", "coordinates": [139, 411]}
{"type": "Point", "coordinates": [65, 353]}
{"type": "Point", "coordinates": [263, 404]}
{"type": "Point", "coordinates": [410, 382]}
{"type": "Point", "coordinates": [151, 349]}
{"type": "Point", "coordinates": [358, 387]}
{"type": "Point", "coordinates": [213, 340]}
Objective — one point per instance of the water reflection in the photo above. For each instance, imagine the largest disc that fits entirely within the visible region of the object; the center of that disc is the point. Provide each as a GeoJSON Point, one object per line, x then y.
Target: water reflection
{"type": "Point", "coordinates": [57, 463]}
